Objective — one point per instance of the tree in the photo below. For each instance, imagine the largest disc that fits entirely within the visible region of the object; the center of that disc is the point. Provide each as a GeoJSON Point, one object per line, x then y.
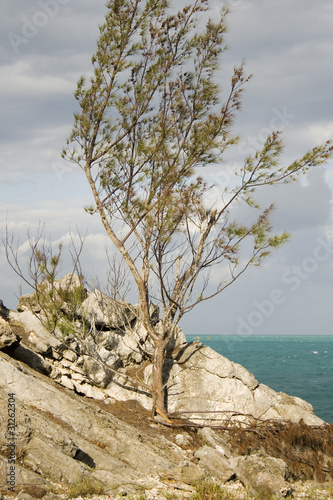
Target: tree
{"type": "Point", "coordinates": [151, 118]}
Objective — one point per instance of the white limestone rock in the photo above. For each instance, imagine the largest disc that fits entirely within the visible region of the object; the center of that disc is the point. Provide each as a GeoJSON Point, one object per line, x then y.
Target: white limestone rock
{"type": "Point", "coordinates": [7, 336]}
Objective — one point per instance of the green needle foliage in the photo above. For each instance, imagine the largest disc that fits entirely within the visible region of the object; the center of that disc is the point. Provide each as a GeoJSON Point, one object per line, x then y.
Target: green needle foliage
{"type": "Point", "coordinates": [150, 118]}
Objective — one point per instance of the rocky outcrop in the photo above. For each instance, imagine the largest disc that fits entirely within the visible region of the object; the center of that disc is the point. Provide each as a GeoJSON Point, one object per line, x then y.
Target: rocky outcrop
{"type": "Point", "coordinates": [63, 436]}
{"type": "Point", "coordinates": [107, 351]}
{"type": "Point", "coordinates": [229, 389]}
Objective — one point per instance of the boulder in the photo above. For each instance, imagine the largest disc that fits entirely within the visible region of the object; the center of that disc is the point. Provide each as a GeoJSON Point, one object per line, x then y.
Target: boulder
{"type": "Point", "coordinates": [269, 404]}
{"type": "Point", "coordinates": [96, 372]}
{"type": "Point", "coordinates": [215, 463]}
{"type": "Point", "coordinates": [103, 312]}
{"type": "Point", "coordinates": [214, 440]}
{"type": "Point", "coordinates": [215, 384]}
{"type": "Point", "coordinates": [7, 336]}
{"type": "Point", "coordinates": [263, 476]}
{"type": "Point", "coordinates": [38, 337]}
{"type": "Point", "coordinates": [30, 303]}
{"type": "Point", "coordinates": [201, 380]}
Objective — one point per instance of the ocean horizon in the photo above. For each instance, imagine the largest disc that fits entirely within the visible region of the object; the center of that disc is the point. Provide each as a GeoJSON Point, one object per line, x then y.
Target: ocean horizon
{"type": "Point", "coordinates": [298, 365]}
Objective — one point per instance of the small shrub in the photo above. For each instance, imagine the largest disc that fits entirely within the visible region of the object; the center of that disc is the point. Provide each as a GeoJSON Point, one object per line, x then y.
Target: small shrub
{"type": "Point", "coordinates": [208, 490]}
{"type": "Point", "coordinates": [85, 486]}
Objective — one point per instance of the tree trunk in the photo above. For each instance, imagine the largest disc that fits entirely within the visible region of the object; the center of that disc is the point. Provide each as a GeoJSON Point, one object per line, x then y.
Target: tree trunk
{"type": "Point", "coordinates": [158, 391]}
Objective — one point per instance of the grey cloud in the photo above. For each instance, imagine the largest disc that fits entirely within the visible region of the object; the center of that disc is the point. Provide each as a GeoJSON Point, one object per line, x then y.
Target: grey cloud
{"type": "Point", "coordinates": [287, 46]}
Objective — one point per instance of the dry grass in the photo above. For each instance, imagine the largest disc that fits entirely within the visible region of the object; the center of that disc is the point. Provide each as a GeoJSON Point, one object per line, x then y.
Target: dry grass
{"type": "Point", "coordinates": [85, 486]}
{"type": "Point", "coordinates": [307, 450]}
{"type": "Point", "coordinates": [209, 490]}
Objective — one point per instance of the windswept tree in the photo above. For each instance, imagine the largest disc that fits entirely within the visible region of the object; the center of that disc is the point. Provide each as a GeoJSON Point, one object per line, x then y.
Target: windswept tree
{"type": "Point", "coordinates": [151, 117]}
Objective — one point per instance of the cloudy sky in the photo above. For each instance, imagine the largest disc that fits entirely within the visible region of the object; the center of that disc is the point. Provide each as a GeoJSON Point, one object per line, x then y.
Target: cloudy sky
{"type": "Point", "coordinates": [288, 45]}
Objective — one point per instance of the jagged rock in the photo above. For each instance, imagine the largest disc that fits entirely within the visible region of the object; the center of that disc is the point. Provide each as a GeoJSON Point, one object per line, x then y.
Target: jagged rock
{"type": "Point", "coordinates": [183, 440]}
{"type": "Point", "coordinates": [88, 390]}
{"type": "Point", "coordinates": [103, 312]}
{"type": "Point", "coordinates": [30, 303]}
{"type": "Point", "coordinates": [215, 463]}
{"type": "Point", "coordinates": [7, 336]}
{"type": "Point", "coordinates": [62, 434]}
{"type": "Point", "coordinates": [106, 313]}
{"type": "Point", "coordinates": [32, 359]}
{"type": "Point", "coordinates": [228, 387]}
{"type": "Point", "coordinates": [4, 311]}
{"type": "Point", "coordinates": [214, 440]}
{"type": "Point", "coordinates": [215, 384]}
{"type": "Point", "coordinates": [96, 372]}
{"type": "Point", "coordinates": [69, 283]}
{"type": "Point", "coordinates": [39, 338]}
{"type": "Point", "coordinates": [286, 407]}
{"type": "Point", "coordinates": [263, 476]}
{"type": "Point", "coordinates": [70, 356]}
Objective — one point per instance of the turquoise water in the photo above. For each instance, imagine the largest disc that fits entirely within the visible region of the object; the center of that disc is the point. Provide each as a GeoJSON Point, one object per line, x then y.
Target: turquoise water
{"type": "Point", "coordinates": [297, 365]}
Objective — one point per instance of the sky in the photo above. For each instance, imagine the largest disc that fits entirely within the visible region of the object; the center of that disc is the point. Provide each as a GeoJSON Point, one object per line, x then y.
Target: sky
{"type": "Point", "coordinates": [46, 45]}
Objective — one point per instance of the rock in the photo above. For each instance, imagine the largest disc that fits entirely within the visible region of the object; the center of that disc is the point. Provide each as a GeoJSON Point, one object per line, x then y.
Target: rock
{"type": "Point", "coordinates": [71, 356]}
{"type": "Point", "coordinates": [188, 470]}
{"type": "Point", "coordinates": [7, 336]}
{"type": "Point", "coordinates": [46, 459]}
{"type": "Point", "coordinates": [214, 440]}
{"type": "Point", "coordinates": [103, 312]}
{"type": "Point", "coordinates": [230, 391]}
{"type": "Point", "coordinates": [293, 409]}
{"type": "Point", "coordinates": [215, 464]}
{"type": "Point", "coordinates": [108, 314]}
{"type": "Point", "coordinates": [131, 346]}
{"type": "Point", "coordinates": [88, 390]}
{"type": "Point", "coordinates": [263, 476]}
{"type": "Point", "coordinates": [96, 372]}
{"type": "Point", "coordinates": [29, 303]}
{"type": "Point", "coordinates": [227, 386]}
{"type": "Point", "coordinates": [183, 440]}
{"type": "Point", "coordinates": [38, 338]}
{"type": "Point", "coordinates": [61, 434]}
{"type": "Point", "coordinates": [32, 359]}
{"type": "Point", "coordinates": [68, 433]}
{"type": "Point", "coordinates": [202, 357]}
{"type": "Point", "coordinates": [4, 311]}
{"type": "Point", "coordinates": [24, 476]}
{"type": "Point", "coordinates": [69, 283]}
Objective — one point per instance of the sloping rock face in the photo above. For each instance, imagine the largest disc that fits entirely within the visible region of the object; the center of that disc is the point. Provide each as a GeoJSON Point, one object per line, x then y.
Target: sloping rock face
{"type": "Point", "coordinates": [60, 437]}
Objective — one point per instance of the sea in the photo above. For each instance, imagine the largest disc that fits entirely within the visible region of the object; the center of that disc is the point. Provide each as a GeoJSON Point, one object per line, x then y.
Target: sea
{"type": "Point", "coordinates": [300, 366]}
